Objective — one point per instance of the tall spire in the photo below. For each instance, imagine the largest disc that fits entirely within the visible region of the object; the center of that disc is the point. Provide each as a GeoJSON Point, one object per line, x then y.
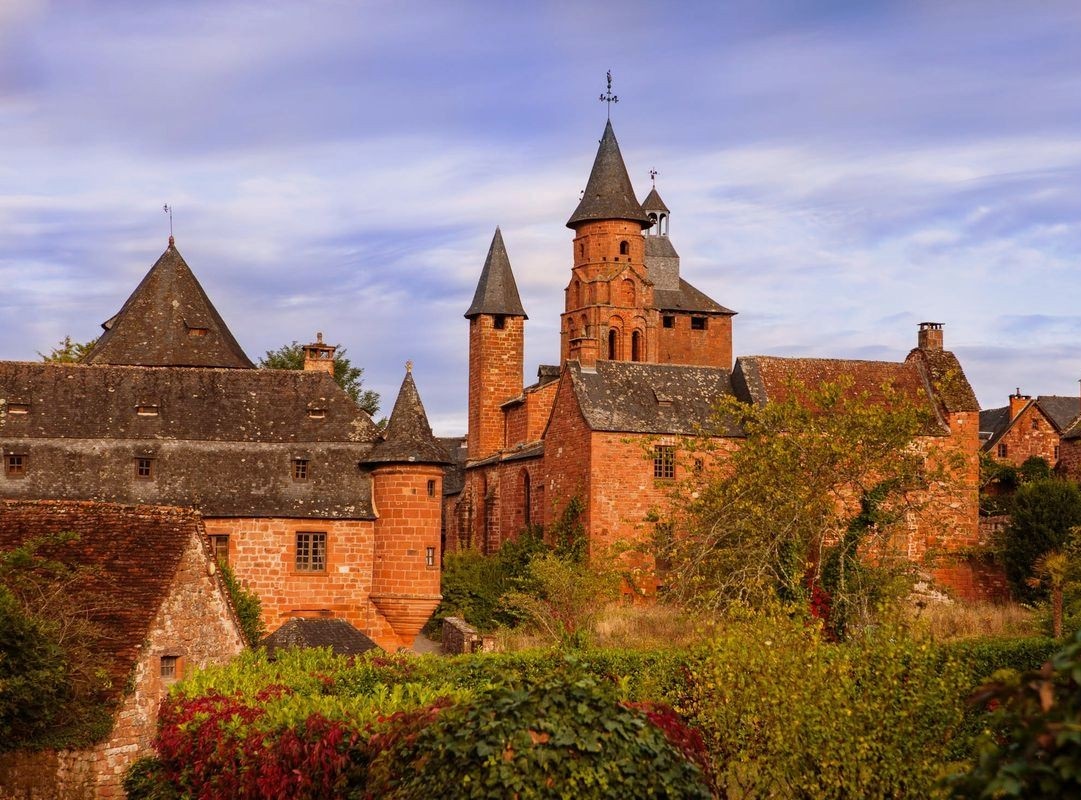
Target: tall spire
{"type": "Point", "coordinates": [408, 437]}
{"type": "Point", "coordinates": [608, 194]}
{"type": "Point", "coordinates": [497, 293]}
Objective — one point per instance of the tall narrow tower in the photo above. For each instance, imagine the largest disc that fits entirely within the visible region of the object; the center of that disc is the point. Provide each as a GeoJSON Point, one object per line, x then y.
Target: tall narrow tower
{"type": "Point", "coordinates": [609, 310]}
{"type": "Point", "coordinates": [496, 343]}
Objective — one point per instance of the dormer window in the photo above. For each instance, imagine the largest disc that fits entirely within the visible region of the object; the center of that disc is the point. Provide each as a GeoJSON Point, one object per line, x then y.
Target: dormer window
{"type": "Point", "coordinates": [18, 408]}
{"type": "Point", "coordinates": [317, 413]}
{"type": "Point", "coordinates": [146, 410]}
{"type": "Point", "coordinates": [300, 469]}
{"type": "Point", "coordinates": [198, 332]}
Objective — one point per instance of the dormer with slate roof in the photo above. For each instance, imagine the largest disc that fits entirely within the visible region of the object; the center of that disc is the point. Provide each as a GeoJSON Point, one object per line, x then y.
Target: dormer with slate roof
{"type": "Point", "coordinates": [168, 322]}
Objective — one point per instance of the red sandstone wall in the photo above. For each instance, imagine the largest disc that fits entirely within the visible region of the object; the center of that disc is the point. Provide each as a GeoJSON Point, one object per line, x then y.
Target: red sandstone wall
{"type": "Point", "coordinates": [567, 455]}
{"type": "Point", "coordinates": [495, 376]}
{"type": "Point", "coordinates": [512, 495]}
{"type": "Point", "coordinates": [1023, 440]}
{"type": "Point", "coordinates": [709, 348]}
{"type": "Point", "coordinates": [539, 403]}
{"type": "Point", "coordinates": [1070, 458]}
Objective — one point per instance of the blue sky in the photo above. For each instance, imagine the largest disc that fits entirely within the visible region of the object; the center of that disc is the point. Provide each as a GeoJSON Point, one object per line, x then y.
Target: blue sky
{"type": "Point", "coordinates": [837, 171]}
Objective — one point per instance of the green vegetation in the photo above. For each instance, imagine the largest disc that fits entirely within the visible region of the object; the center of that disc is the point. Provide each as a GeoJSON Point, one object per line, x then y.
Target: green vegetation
{"type": "Point", "coordinates": [291, 356]}
{"type": "Point", "coordinates": [249, 609]}
{"type": "Point", "coordinates": [68, 351]}
{"type": "Point", "coordinates": [1044, 512]}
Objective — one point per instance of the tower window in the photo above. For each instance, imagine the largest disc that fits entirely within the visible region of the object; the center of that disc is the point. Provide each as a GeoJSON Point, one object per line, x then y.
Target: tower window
{"type": "Point", "coordinates": [15, 465]}
{"type": "Point", "coordinates": [636, 346]}
{"type": "Point", "coordinates": [664, 462]}
{"type": "Point", "coordinates": [698, 323]}
{"type": "Point", "coordinates": [624, 248]}
{"type": "Point", "coordinates": [300, 469]}
{"type": "Point", "coordinates": [429, 556]}
{"type": "Point", "coordinates": [144, 468]}
{"type": "Point", "coordinates": [311, 551]}
{"type": "Point", "coordinates": [613, 345]}
{"type": "Point", "coordinates": [431, 488]}
{"type": "Point", "coordinates": [499, 322]}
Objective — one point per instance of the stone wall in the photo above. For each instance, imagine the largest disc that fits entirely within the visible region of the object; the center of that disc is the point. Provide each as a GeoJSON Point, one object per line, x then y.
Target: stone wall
{"type": "Point", "coordinates": [681, 344]}
{"type": "Point", "coordinates": [495, 376]}
{"type": "Point", "coordinates": [1031, 434]}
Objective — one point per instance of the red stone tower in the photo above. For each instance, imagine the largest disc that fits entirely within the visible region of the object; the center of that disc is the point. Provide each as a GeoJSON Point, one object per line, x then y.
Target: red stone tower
{"type": "Point", "coordinates": [496, 342]}
{"type": "Point", "coordinates": [407, 493]}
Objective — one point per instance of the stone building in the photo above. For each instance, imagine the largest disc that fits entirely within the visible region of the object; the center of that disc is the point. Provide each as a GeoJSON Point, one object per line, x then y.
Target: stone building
{"type": "Point", "coordinates": [644, 358]}
{"type": "Point", "coordinates": [167, 613]}
{"type": "Point", "coordinates": [315, 509]}
{"type": "Point", "coordinates": [1029, 427]}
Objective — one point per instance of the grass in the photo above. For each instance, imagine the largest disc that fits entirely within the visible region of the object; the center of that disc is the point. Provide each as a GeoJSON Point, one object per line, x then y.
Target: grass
{"type": "Point", "coordinates": [952, 621]}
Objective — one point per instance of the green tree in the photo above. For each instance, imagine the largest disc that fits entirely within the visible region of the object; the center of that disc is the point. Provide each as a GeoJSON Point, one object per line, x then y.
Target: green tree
{"type": "Point", "coordinates": [1044, 511]}
{"type": "Point", "coordinates": [248, 606]}
{"type": "Point", "coordinates": [756, 524]}
{"type": "Point", "coordinates": [291, 356]}
{"type": "Point", "coordinates": [68, 351]}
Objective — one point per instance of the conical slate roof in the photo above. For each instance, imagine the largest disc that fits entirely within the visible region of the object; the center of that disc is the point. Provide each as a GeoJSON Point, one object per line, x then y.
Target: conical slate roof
{"type": "Point", "coordinates": [497, 293]}
{"type": "Point", "coordinates": [168, 322]}
{"type": "Point", "coordinates": [609, 194]}
{"type": "Point", "coordinates": [653, 202]}
{"type": "Point", "coordinates": [408, 437]}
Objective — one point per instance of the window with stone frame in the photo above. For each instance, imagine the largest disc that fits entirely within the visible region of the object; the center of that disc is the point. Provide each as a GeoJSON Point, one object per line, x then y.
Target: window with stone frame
{"type": "Point", "coordinates": [170, 669]}
{"type": "Point", "coordinates": [145, 468]}
{"type": "Point", "coordinates": [301, 470]}
{"type": "Point", "coordinates": [15, 465]}
{"type": "Point", "coordinates": [1003, 450]}
{"type": "Point", "coordinates": [219, 544]}
{"type": "Point", "coordinates": [311, 554]}
{"type": "Point", "coordinates": [664, 462]}
{"type": "Point", "coordinates": [429, 556]}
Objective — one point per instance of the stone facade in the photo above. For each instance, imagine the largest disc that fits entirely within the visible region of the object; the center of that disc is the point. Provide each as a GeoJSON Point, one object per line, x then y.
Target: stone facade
{"type": "Point", "coordinates": [1028, 428]}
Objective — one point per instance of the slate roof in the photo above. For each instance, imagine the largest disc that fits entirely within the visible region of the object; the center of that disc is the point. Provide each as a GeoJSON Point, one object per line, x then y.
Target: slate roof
{"type": "Point", "coordinates": [157, 324]}
{"type": "Point", "coordinates": [634, 397]}
{"type": "Point", "coordinates": [993, 422]}
{"type": "Point", "coordinates": [454, 473]}
{"type": "Point", "coordinates": [408, 437]}
{"type": "Point", "coordinates": [653, 202]}
{"type": "Point", "coordinates": [497, 293]}
{"type": "Point", "coordinates": [687, 298]}
{"type": "Point", "coordinates": [659, 247]}
{"type": "Point", "coordinates": [762, 379]}
{"type": "Point", "coordinates": [337, 634]}
{"type": "Point", "coordinates": [1062, 411]}
{"type": "Point", "coordinates": [608, 194]}
{"type": "Point", "coordinates": [134, 553]}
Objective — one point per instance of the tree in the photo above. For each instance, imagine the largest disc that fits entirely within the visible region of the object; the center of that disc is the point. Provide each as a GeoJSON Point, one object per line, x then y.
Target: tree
{"type": "Point", "coordinates": [756, 525]}
{"type": "Point", "coordinates": [68, 351]}
{"type": "Point", "coordinates": [291, 356]}
{"type": "Point", "coordinates": [1044, 511]}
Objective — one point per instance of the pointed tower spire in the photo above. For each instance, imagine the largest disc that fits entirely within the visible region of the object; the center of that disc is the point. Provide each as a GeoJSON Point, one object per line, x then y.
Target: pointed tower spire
{"type": "Point", "coordinates": [497, 293]}
{"type": "Point", "coordinates": [608, 194]}
{"type": "Point", "coordinates": [408, 437]}
{"type": "Point", "coordinates": [168, 321]}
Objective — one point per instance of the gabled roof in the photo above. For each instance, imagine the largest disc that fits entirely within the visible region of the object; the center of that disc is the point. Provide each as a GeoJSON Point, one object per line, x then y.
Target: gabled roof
{"type": "Point", "coordinates": [653, 202]}
{"type": "Point", "coordinates": [947, 379]}
{"type": "Point", "coordinates": [168, 321]}
{"type": "Point", "coordinates": [634, 397]}
{"type": "Point", "coordinates": [497, 293]}
{"type": "Point", "coordinates": [133, 554]}
{"type": "Point", "coordinates": [993, 422]}
{"type": "Point", "coordinates": [337, 634]}
{"type": "Point", "coordinates": [687, 298]}
{"type": "Point", "coordinates": [608, 194]}
{"type": "Point", "coordinates": [1063, 412]}
{"type": "Point", "coordinates": [408, 437]}
{"type": "Point", "coordinates": [454, 473]}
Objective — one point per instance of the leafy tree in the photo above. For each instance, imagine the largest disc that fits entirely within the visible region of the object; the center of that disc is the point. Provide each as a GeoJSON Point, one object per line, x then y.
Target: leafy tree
{"type": "Point", "coordinates": [1034, 468]}
{"type": "Point", "coordinates": [756, 524]}
{"type": "Point", "coordinates": [291, 356]}
{"type": "Point", "coordinates": [68, 351]}
{"type": "Point", "coordinates": [1043, 513]}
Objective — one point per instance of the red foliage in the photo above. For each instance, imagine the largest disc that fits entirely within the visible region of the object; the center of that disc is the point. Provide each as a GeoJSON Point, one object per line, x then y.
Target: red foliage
{"type": "Point", "coordinates": [681, 735]}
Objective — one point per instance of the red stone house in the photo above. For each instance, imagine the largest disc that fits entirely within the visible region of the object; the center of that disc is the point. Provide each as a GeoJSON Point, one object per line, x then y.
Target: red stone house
{"type": "Point", "coordinates": [316, 510]}
{"type": "Point", "coordinates": [1029, 427]}
{"type": "Point", "coordinates": [168, 613]}
{"type": "Point", "coordinates": [645, 357]}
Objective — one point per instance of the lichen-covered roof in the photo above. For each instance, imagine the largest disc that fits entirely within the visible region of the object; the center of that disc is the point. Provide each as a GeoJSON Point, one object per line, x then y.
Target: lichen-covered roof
{"type": "Point", "coordinates": [688, 299]}
{"type": "Point", "coordinates": [497, 293]}
{"type": "Point", "coordinates": [133, 554]}
{"type": "Point", "coordinates": [608, 194]}
{"type": "Point", "coordinates": [168, 321]}
{"type": "Point", "coordinates": [653, 202]}
{"type": "Point", "coordinates": [408, 437]}
{"type": "Point", "coordinates": [948, 379]}
{"type": "Point", "coordinates": [634, 397]}
{"type": "Point", "coordinates": [337, 634]}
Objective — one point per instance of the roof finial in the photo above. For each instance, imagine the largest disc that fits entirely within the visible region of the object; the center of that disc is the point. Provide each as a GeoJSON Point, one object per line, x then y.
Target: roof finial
{"type": "Point", "coordinates": [608, 97]}
{"type": "Point", "coordinates": [168, 209]}
{"type": "Point", "coordinates": [319, 337]}
{"type": "Point", "coordinates": [408, 366]}
{"type": "Point", "coordinates": [653, 177]}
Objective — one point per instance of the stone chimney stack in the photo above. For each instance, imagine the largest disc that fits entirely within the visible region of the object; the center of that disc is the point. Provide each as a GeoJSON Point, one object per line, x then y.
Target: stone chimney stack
{"type": "Point", "coordinates": [1017, 402]}
{"type": "Point", "coordinates": [584, 350]}
{"type": "Point", "coordinates": [318, 356]}
{"type": "Point", "coordinates": [930, 337]}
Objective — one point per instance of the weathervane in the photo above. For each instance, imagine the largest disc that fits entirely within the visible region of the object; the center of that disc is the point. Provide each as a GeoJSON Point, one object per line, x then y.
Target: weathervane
{"type": "Point", "coordinates": [608, 97]}
{"type": "Point", "coordinates": [653, 177]}
{"type": "Point", "coordinates": [168, 209]}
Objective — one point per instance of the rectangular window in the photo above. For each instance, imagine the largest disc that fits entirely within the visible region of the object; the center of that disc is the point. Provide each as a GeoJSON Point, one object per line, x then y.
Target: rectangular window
{"type": "Point", "coordinates": [300, 469]}
{"type": "Point", "coordinates": [429, 556]}
{"type": "Point", "coordinates": [1003, 450]}
{"type": "Point", "coordinates": [170, 669]}
{"type": "Point", "coordinates": [15, 465]}
{"type": "Point", "coordinates": [499, 322]}
{"type": "Point", "coordinates": [698, 323]}
{"type": "Point", "coordinates": [18, 408]}
{"type": "Point", "coordinates": [144, 468]}
{"type": "Point", "coordinates": [146, 411]}
{"type": "Point", "coordinates": [317, 413]}
{"type": "Point", "coordinates": [664, 462]}
{"type": "Point", "coordinates": [668, 321]}
{"type": "Point", "coordinates": [431, 488]}
{"type": "Point", "coordinates": [219, 543]}
{"type": "Point", "coordinates": [1056, 452]}
{"type": "Point", "coordinates": [311, 551]}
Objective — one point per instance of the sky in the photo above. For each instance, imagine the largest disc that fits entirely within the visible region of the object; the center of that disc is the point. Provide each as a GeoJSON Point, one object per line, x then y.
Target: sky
{"type": "Point", "coordinates": [837, 171]}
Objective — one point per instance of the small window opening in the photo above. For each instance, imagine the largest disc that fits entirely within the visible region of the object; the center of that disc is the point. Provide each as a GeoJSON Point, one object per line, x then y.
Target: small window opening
{"type": "Point", "coordinates": [18, 408]}
{"type": "Point", "coordinates": [146, 411]}
{"type": "Point", "coordinates": [431, 488]}
{"type": "Point", "coordinates": [170, 668]}
{"type": "Point", "coordinates": [300, 469]}
{"type": "Point", "coordinates": [698, 323]}
{"type": "Point", "coordinates": [636, 346]}
{"type": "Point", "coordinates": [581, 250]}
{"type": "Point", "coordinates": [311, 551]}
{"type": "Point", "coordinates": [699, 465]}
{"type": "Point", "coordinates": [1035, 424]}
{"type": "Point", "coordinates": [15, 465]}
{"type": "Point", "coordinates": [668, 321]}
{"type": "Point", "coordinates": [317, 413]}
{"type": "Point", "coordinates": [664, 543]}
{"type": "Point", "coordinates": [429, 556]}
{"type": "Point", "coordinates": [624, 248]}
{"type": "Point", "coordinates": [664, 462]}
{"type": "Point", "coordinates": [144, 468]}
{"type": "Point", "coordinates": [500, 322]}
{"type": "Point", "coordinates": [197, 332]}
{"type": "Point", "coordinates": [1003, 450]}
{"type": "Point", "coordinates": [613, 343]}
{"type": "Point", "coordinates": [1056, 452]}
{"type": "Point", "coordinates": [219, 544]}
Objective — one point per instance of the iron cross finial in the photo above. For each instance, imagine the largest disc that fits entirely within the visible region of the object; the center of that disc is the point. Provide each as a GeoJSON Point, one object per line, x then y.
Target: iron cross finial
{"type": "Point", "coordinates": [608, 97]}
{"type": "Point", "coordinates": [168, 209]}
{"type": "Point", "coordinates": [653, 177]}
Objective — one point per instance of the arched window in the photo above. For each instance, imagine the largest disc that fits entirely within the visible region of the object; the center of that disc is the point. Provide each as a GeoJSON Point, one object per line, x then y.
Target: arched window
{"type": "Point", "coordinates": [585, 326]}
{"type": "Point", "coordinates": [636, 346]}
{"type": "Point", "coordinates": [628, 292]}
{"type": "Point", "coordinates": [662, 227]}
{"type": "Point", "coordinates": [576, 294]}
{"type": "Point", "coordinates": [526, 499]}
{"type": "Point", "coordinates": [613, 344]}
{"type": "Point", "coordinates": [624, 248]}
{"type": "Point", "coordinates": [652, 223]}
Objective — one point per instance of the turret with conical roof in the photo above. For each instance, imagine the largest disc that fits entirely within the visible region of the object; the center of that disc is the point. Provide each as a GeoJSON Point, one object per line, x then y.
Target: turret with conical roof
{"type": "Point", "coordinates": [168, 321]}
{"type": "Point", "coordinates": [407, 493]}
{"type": "Point", "coordinates": [496, 350]}
{"type": "Point", "coordinates": [608, 194]}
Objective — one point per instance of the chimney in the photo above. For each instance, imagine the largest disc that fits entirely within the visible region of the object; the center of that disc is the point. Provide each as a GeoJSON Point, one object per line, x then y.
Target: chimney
{"type": "Point", "coordinates": [318, 356]}
{"type": "Point", "coordinates": [584, 351]}
{"type": "Point", "coordinates": [930, 336]}
{"type": "Point", "coordinates": [1017, 403]}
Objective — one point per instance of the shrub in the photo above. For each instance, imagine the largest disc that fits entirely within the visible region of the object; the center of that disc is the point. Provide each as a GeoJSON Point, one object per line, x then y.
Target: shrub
{"type": "Point", "coordinates": [249, 609]}
{"type": "Point", "coordinates": [1044, 511]}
